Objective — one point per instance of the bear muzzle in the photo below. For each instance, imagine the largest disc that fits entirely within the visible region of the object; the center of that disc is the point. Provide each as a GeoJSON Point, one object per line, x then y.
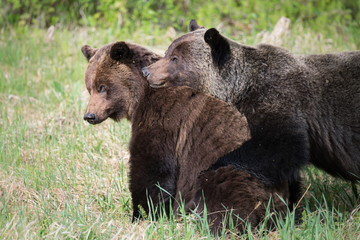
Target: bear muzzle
{"type": "Point", "coordinates": [156, 79]}
{"type": "Point", "coordinates": [90, 117]}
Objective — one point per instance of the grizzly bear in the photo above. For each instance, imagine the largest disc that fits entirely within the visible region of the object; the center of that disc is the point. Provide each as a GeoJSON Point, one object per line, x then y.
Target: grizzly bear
{"type": "Point", "coordinates": [177, 136]}
{"type": "Point", "coordinates": [300, 108]}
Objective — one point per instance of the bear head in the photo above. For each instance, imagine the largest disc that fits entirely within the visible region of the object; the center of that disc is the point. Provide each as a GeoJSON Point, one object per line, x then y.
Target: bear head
{"type": "Point", "coordinates": [196, 59]}
{"type": "Point", "coordinates": [114, 79]}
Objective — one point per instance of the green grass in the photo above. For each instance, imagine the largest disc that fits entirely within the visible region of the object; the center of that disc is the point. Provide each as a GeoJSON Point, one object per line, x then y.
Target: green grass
{"type": "Point", "coordinates": [63, 178]}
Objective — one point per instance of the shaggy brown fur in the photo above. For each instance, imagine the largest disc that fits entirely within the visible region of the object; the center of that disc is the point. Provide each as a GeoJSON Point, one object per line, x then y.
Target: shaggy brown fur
{"type": "Point", "coordinates": [223, 183]}
{"type": "Point", "coordinates": [176, 134]}
{"type": "Point", "coordinates": [300, 108]}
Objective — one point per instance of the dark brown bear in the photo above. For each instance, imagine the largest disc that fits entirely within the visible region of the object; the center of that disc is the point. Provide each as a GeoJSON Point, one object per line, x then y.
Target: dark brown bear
{"type": "Point", "coordinates": [177, 133]}
{"type": "Point", "coordinates": [300, 108]}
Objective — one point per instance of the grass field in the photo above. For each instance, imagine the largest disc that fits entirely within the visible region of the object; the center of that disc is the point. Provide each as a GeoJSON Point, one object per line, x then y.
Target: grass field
{"type": "Point", "coordinates": [63, 178]}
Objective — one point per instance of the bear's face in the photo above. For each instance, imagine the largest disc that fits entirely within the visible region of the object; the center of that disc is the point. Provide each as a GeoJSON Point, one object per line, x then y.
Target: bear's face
{"type": "Point", "coordinates": [181, 64]}
{"type": "Point", "coordinates": [109, 78]}
{"type": "Point", "coordinates": [195, 59]}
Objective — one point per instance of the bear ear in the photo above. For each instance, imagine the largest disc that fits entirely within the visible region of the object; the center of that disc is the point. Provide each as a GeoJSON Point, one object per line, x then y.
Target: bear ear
{"type": "Point", "coordinates": [193, 25]}
{"type": "Point", "coordinates": [220, 47]}
{"type": "Point", "coordinates": [120, 51]}
{"type": "Point", "coordinates": [88, 51]}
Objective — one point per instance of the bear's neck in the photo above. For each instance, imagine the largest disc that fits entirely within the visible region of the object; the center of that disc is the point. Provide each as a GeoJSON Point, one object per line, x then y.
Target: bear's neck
{"type": "Point", "coordinates": [241, 74]}
{"type": "Point", "coordinates": [140, 91]}
{"type": "Point", "coordinates": [141, 88]}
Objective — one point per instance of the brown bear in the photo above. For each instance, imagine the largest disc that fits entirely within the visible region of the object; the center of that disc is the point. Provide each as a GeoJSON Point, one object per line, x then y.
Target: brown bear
{"type": "Point", "coordinates": [177, 135]}
{"type": "Point", "coordinates": [300, 108]}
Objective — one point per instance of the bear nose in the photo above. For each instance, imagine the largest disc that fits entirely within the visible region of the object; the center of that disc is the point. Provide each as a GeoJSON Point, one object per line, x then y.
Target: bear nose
{"type": "Point", "coordinates": [89, 117]}
{"type": "Point", "coordinates": [145, 72]}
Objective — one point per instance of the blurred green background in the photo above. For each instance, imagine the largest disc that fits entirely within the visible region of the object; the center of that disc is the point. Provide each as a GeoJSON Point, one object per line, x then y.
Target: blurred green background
{"type": "Point", "coordinates": [152, 16]}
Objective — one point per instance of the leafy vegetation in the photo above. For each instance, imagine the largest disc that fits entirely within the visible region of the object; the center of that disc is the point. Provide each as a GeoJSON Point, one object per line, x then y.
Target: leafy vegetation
{"type": "Point", "coordinates": [63, 178]}
{"type": "Point", "coordinates": [237, 16]}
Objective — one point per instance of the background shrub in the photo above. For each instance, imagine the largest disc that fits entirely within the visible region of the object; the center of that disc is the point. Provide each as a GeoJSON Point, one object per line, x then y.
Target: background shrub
{"type": "Point", "coordinates": [238, 16]}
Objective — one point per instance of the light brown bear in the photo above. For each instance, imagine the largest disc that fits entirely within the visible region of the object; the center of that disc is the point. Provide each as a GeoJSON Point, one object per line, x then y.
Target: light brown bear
{"type": "Point", "coordinates": [300, 108]}
{"type": "Point", "coordinates": [177, 135]}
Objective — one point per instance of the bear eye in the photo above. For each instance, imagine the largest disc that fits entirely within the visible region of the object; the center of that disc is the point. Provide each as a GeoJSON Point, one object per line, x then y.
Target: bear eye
{"type": "Point", "coordinates": [174, 59]}
{"type": "Point", "coordinates": [101, 88]}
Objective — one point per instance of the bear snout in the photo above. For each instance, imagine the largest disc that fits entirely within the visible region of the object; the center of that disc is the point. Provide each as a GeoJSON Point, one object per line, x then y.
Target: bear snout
{"type": "Point", "coordinates": [90, 117]}
{"type": "Point", "coordinates": [145, 72]}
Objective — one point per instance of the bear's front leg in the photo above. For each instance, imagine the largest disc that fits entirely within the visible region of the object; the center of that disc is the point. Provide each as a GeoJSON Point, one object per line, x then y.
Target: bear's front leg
{"type": "Point", "coordinates": [151, 185]}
